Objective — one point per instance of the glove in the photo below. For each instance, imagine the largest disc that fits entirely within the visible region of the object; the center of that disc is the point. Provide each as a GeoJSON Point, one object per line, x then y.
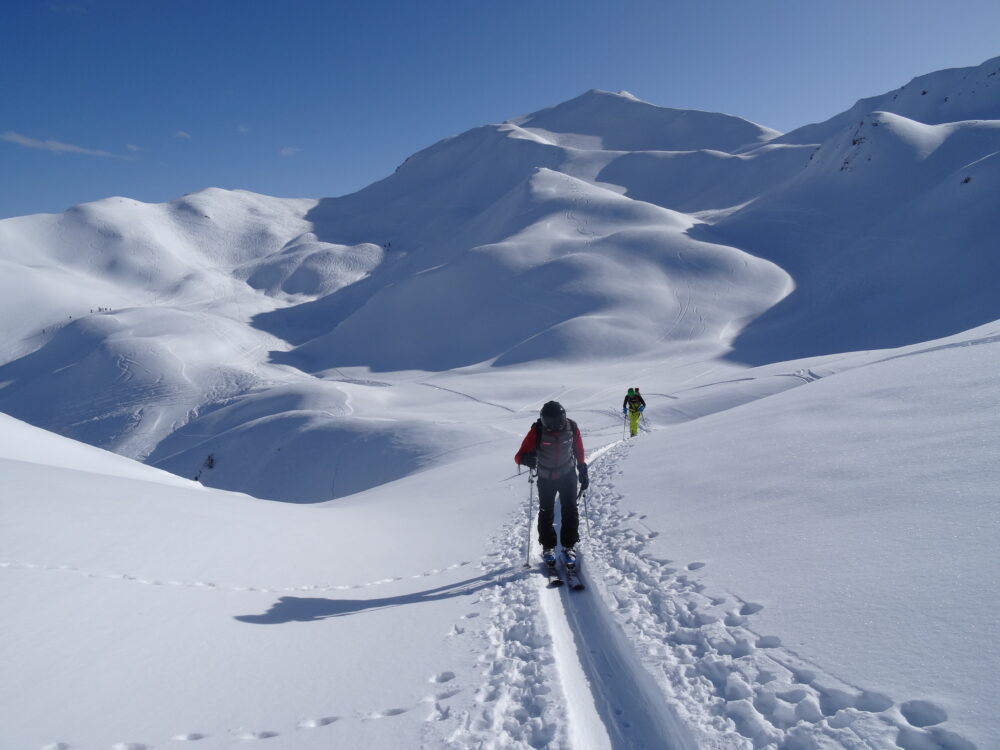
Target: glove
{"type": "Point", "coordinates": [624, 411]}
{"type": "Point", "coordinates": [581, 469]}
{"type": "Point", "coordinates": [530, 460]}
{"type": "Point", "coordinates": [642, 409]}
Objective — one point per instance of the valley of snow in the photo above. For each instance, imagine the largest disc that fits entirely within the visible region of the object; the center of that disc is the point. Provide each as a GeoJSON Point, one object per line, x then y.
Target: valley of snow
{"type": "Point", "coordinates": [797, 552]}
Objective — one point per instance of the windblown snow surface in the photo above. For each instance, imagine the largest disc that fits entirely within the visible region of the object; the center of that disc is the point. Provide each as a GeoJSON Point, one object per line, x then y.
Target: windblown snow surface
{"type": "Point", "coordinates": [256, 478]}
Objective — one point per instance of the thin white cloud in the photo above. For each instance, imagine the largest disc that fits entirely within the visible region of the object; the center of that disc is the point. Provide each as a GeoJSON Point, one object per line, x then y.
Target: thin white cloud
{"type": "Point", "coordinates": [133, 147]}
{"type": "Point", "coordinates": [55, 147]}
{"type": "Point", "coordinates": [244, 129]}
{"type": "Point", "coordinates": [289, 151]}
{"type": "Point", "coordinates": [182, 134]}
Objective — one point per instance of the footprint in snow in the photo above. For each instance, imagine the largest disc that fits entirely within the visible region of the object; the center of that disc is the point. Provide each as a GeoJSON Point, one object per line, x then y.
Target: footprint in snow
{"type": "Point", "coordinates": [750, 608]}
{"type": "Point", "coordinates": [442, 677]}
{"type": "Point", "coordinates": [695, 566]}
{"type": "Point", "coordinates": [923, 713]}
{"type": "Point", "coordinates": [323, 721]}
{"type": "Point", "coordinates": [256, 735]}
{"type": "Point", "coordinates": [54, 745]}
{"type": "Point", "coordinates": [803, 676]}
{"type": "Point", "coordinates": [131, 746]}
{"type": "Point", "coordinates": [470, 616]}
{"type": "Point", "coordinates": [188, 737]}
{"type": "Point", "coordinates": [387, 712]}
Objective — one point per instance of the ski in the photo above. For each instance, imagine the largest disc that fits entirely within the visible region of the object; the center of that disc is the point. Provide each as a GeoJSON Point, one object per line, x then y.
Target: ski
{"type": "Point", "coordinates": [552, 573]}
{"type": "Point", "coordinates": [571, 564]}
{"type": "Point", "coordinates": [573, 578]}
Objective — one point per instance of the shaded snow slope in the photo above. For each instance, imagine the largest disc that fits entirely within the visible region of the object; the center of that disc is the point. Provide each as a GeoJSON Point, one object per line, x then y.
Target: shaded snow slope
{"type": "Point", "coordinates": [888, 234]}
{"type": "Point", "coordinates": [22, 442]}
{"type": "Point", "coordinates": [301, 443]}
{"type": "Point", "coordinates": [693, 181]}
{"type": "Point", "coordinates": [581, 273]}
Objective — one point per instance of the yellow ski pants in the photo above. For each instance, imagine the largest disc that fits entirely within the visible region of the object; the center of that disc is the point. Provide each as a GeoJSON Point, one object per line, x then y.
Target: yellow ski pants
{"type": "Point", "coordinates": [633, 422]}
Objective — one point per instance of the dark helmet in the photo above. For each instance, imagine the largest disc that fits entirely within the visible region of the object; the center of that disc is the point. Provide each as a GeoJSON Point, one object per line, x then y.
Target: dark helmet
{"type": "Point", "coordinates": [553, 416]}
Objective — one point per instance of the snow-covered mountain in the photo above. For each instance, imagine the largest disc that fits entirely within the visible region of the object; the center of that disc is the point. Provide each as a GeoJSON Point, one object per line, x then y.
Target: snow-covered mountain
{"type": "Point", "coordinates": [954, 95]}
{"type": "Point", "coordinates": [803, 560]}
{"type": "Point", "coordinates": [890, 232]}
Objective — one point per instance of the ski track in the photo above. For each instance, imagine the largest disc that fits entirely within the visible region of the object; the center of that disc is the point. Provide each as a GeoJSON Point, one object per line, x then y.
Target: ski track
{"type": "Point", "coordinates": [468, 396]}
{"type": "Point", "coordinates": [648, 658]}
{"type": "Point", "coordinates": [556, 670]}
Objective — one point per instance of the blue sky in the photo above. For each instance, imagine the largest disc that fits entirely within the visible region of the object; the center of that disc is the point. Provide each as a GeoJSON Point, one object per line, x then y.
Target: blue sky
{"type": "Point", "coordinates": [152, 99]}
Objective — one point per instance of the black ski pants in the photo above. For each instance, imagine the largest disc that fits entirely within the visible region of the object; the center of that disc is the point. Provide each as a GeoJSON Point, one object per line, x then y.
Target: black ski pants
{"type": "Point", "coordinates": [569, 530]}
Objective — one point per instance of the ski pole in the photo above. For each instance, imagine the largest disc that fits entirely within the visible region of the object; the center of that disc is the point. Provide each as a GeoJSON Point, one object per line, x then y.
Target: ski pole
{"type": "Point", "coordinates": [586, 513]}
{"type": "Point", "coordinates": [531, 508]}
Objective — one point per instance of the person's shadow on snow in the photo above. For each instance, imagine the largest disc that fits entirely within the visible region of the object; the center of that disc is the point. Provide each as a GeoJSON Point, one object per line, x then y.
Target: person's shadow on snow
{"type": "Point", "coordinates": [301, 609]}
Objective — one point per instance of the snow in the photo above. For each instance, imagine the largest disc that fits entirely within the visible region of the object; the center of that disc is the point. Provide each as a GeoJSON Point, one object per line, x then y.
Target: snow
{"type": "Point", "coordinates": [797, 552]}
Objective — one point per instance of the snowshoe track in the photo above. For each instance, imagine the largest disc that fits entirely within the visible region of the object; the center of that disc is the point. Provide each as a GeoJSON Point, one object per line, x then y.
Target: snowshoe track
{"type": "Point", "coordinates": [730, 685]}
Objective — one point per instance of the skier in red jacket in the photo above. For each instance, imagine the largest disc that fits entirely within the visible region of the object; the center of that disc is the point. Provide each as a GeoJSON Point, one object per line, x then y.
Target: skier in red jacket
{"type": "Point", "coordinates": [554, 447]}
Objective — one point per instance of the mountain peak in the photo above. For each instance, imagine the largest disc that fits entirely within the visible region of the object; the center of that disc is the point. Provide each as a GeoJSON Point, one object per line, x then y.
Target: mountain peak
{"type": "Point", "coordinates": [603, 120]}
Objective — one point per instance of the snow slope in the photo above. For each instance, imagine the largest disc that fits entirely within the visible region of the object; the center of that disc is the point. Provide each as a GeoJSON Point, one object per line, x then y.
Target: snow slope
{"type": "Point", "coordinates": [889, 234]}
{"type": "Point", "coordinates": [795, 554]}
{"type": "Point", "coordinates": [135, 611]}
{"type": "Point", "coordinates": [855, 518]}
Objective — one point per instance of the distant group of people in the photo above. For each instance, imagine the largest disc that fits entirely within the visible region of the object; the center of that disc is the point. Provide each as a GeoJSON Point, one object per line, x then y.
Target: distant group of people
{"type": "Point", "coordinates": [99, 309]}
{"type": "Point", "coordinates": [553, 448]}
